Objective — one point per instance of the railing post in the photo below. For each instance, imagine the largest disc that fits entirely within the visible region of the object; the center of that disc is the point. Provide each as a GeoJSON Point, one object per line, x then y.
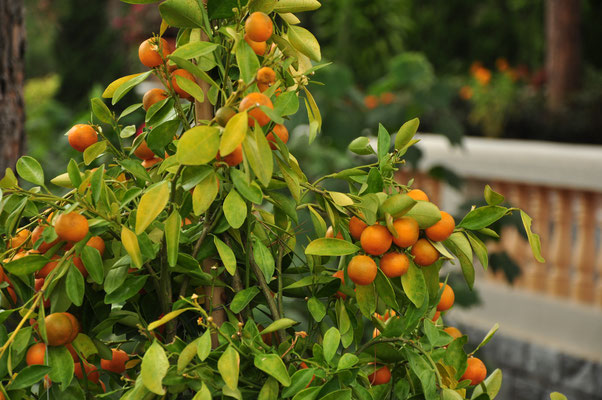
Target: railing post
{"type": "Point", "coordinates": [561, 245]}
{"type": "Point", "coordinates": [582, 289]}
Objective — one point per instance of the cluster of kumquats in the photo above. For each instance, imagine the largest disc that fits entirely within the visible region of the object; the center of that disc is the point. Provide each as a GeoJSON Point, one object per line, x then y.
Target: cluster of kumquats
{"type": "Point", "coordinates": [377, 242]}
{"type": "Point", "coordinates": [153, 52]}
{"type": "Point", "coordinates": [61, 328]}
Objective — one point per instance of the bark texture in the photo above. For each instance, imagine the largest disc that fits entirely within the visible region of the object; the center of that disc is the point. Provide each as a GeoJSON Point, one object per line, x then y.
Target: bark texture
{"type": "Point", "coordinates": [12, 76]}
{"type": "Point", "coordinates": [563, 53]}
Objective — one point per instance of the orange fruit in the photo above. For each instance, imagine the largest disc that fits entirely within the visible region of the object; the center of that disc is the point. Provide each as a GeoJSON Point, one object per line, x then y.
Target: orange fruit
{"type": "Point", "coordinates": [12, 295]}
{"type": "Point", "coordinates": [37, 234]}
{"type": "Point", "coordinates": [79, 264]}
{"type": "Point", "coordinates": [234, 158]}
{"type": "Point", "coordinates": [281, 132]}
{"type": "Point", "coordinates": [424, 253]}
{"type": "Point", "coordinates": [72, 351]}
{"type": "Point", "coordinates": [185, 74]}
{"type": "Point", "coordinates": [254, 100]}
{"type": "Point", "coordinates": [82, 136]}
{"type": "Point", "coordinates": [475, 371]}
{"type": "Point", "coordinates": [259, 27]}
{"type": "Point", "coordinates": [59, 329]}
{"type": "Point", "coordinates": [330, 233]}
{"type": "Point", "coordinates": [453, 332]}
{"type": "Point", "coordinates": [436, 316]}
{"type": "Point", "coordinates": [442, 228]}
{"type": "Point", "coordinates": [266, 76]}
{"type": "Point", "coordinates": [407, 231]}
{"type": "Point", "coordinates": [418, 194]}
{"type": "Point", "coordinates": [341, 275]}
{"type": "Point", "coordinates": [447, 298]}
{"type": "Point", "coordinates": [362, 270]}
{"type": "Point", "coordinates": [376, 239]}
{"type": "Point", "coordinates": [47, 269]}
{"type": "Point", "coordinates": [36, 354]}
{"type": "Point", "coordinates": [143, 151]}
{"type": "Point", "coordinates": [394, 264]}
{"type": "Point", "coordinates": [356, 227]}
{"type": "Point", "coordinates": [19, 239]}
{"type": "Point", "coordinates": [71, 227]}
{"type": "Point", "coordinates": [259, 48]}
{"type": "Point", "coordinates": [150, 51]}
{"type": "Point", "coordinates": [97, 243]}
{"type": "Point", "coordinates": [153, 96]}
{"type": "Point", "coordinates": [150, 162]}
{"type": "Point", "coordinates": [117, 363]}
{"type": "Point", "coordinates": [90, 371]}
{"type": "Point", "coordinates": [380, 376]}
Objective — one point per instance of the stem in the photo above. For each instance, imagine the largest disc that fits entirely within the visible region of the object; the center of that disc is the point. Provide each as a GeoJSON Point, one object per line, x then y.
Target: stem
{"type": "Point", "coordinates": [267, 294]}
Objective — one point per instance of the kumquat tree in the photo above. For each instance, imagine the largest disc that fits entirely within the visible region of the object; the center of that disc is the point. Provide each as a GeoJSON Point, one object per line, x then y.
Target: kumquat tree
{"type": "Point", "coordinates": [168, 266]}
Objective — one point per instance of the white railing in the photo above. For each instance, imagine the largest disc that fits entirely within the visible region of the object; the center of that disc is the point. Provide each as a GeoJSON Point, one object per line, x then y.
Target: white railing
{"type": "Point", "coordinates": [559, 185]}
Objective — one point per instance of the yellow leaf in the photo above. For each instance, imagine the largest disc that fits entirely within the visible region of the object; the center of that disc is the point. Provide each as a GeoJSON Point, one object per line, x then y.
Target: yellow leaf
{"type": "Point", "coordinates": [234, 133]}
{"type": "Point", "coordinates": [150, 206]}
{"type": "Point", "coordinates": [130, 242]}
{"type": "Point", "coordinates": [110, 90]}
{"type": "Point", "coordinates": [204, 193]}
{"type": "Point", "coordinates": [198, 145]}
{"type": "Point", "coordinates": [163, 28]}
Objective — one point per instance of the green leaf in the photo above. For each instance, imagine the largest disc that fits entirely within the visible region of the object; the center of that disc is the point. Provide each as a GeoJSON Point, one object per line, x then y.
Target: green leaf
{"type": "Point", "coordinates": [172, 237]}
{"type": "Point", "coordinates": [384, 142]}
{"type": "Point", "coordinates": [198, 145]}
{"type": "Point", "coordinates": [127, 85]}
{"type": "Point", "coordinates": [228, 366]}
{"type": "Point", "coordinates": [110, 90]}
{"type": "Point", "coordinates": [455, 355]}
{"type": "Point", "coordinates": [234, 133]}
{"type": "Point", "coordinates": [482, 217]}
{"type": "Point", "coordinates": [331, 342]}
{"type": "Point", "coordinates": [385, 290]}
{"type": "Point", "coordinates": [162, 135]}
{"type": "Point", "coordinates": [264, 259]}
{"type": "Point", "coordinates": [26, 265]}
{"type": "Point", "coordinates": [341, 199]}
{"type": "Point", "coordinates": [131, 128]}
{"type": "Point", "coordinates": [226, 255]}
{"type": "Point", "coordinates": [167, 317]}
{"type": "Point", "coordinates": [492, 198]}
{"type": "Point", "coordinates": [414, 285]}
{"type": "Point", "coordinates": [293, 6]}
{"type": "Point", "coordinates": [129, 288]}
{"type": "Point", "coordinates": [316, 308]}
{"type": "Point", "coordinates": [93, 152]}
{"type": "Point", "coordinates": [272, 365]}
{"type": "Point", "coordinates": [330, 247]}
{"type": "Point", "coordinates": [425, 374]}
{"type": "Point", "coordinates": [348, 360]}
{"type": "Point", "coordinates": [449, 394]}
{"type": "Point", "coordinates": [9, 180]}
{"type": "Point", "coordinates": [235, 209]}
{"type": "Point", "coordinates": [74, 173]}
{"type": "Point", "coordinates": [287, 103]}
{"type": "Point", "coordinates": [534, 240]}
{"type": "Point", "coordinates": [465, 260]}
{"type": "Point", "coordinates": [269, 390]}
{"type": "Point", "coordinates": [102, 112]}
{"type": "Point", "coordinates": [75, 286]}
{"type": "Point", "coordinates": [30, 169]}
{"type": "Point", "coordinates": [488, 336]}
{"type": "Point", "coordinates": [300, 380]}
{"type": "Point", "coordinates": [247, 61]}
{"type": "Point", "coordinates": [479, 249]}
{"type": "Point", "coordinates": [61, 362]}
{"type": "Point", "coordinates": [190, 87]}
{"type": "Point", "coordinates": [93, 262]}
{"type": "Point", "coordinates": [399, 205]}
{"type": "Point", "coordinates": [259, 154]}
{"type": "Point", "coordinates": [305, 42]}
{"type": "Point", "coordinates": [194, 49]}
{"type": "Point", "coordinates": [425, 213]}
{"type": "Point", "coordinates": [282, 323]}
{"type": "Point", "coordinates": [204, 345]}
{"type": "Point", "coordinates": [154, 368]}
{"type": "Point", "coordinates": [251, 192]}
{"type": "Point", "coordinates": [366, 299]}
{"type": "Point", "coordinates": [182, 13]}
{"type": "Point", "coordinates": [204, 193]}
{"type": "Point", "coordinates": [130, 243]}
{"type": "Point", "coordinates": [28, 376]}
{"type": "Point", "coordinates": [134, 168]}
{"type": "Point", "coordinates": [151, 205]}
{"type": "Point", "coordinates": [186, 355]}
{"type": "Point", "coordinates": [361, 146]}
{"type": "Point", "coordinates": [243, 298]}
{"type": "Point", "coordinates": [406, 133]}
{"type": "Point", "coordinates": [493, 384]}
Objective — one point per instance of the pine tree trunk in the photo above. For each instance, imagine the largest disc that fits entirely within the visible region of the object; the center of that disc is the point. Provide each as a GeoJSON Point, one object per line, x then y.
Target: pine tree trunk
{"type": "Point", "coordinates": [563, 58]}
{"type": "Point", "coordinates": [12, 76]}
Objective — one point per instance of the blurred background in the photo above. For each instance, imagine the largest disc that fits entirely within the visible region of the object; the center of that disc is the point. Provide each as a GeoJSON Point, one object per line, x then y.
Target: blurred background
{"type": "Point", "coordinates": [509, 92]}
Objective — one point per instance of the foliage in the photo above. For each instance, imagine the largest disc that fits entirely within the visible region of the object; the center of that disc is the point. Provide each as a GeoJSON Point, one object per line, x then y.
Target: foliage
{"type": "Point", "coordinates": [189, 261]}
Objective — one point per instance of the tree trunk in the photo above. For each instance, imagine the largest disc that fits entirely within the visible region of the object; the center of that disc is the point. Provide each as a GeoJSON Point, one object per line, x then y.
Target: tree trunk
{"type": "Point", "coordinates": [563, 58]}
{"type": "Point", "coordinates": [12, 76]}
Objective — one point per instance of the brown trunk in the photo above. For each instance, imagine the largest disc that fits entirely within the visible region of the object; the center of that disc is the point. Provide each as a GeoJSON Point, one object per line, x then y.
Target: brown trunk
{"type": "Point", "coordinates": [12, 76]}
{"type": "Point", "coordinates": [563, 59]}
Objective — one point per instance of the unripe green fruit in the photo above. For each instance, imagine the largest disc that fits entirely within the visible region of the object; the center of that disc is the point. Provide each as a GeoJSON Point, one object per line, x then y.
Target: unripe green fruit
{"type": "Point", "coordinates": [224, 114]}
